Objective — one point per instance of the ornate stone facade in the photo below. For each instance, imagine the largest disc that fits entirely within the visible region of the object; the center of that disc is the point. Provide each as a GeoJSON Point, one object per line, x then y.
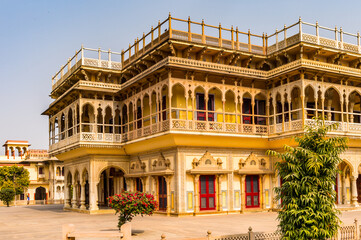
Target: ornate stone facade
{"type": "Point", "coordinates": [188, 116]}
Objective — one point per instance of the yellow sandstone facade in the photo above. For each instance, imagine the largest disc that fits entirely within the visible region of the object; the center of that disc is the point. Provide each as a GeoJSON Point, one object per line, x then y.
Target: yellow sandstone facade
{"type": "Point", "coordinates": [189, 110]}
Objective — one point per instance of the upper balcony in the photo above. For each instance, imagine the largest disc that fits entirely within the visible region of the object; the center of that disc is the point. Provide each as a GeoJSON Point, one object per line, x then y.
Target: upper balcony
{"type": "Point", "coordinates": [199, 33]}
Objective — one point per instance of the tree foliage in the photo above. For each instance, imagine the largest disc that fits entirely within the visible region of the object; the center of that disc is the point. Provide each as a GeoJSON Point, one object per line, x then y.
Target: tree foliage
{"type": "Point", "coordinates": [129, 204]}
{"type": "Point", "coordinates": [308, 173]}
{"type": "Point", "coordinates": [7, 195]}
{"type": "Point", "coordinates": [15, 177]}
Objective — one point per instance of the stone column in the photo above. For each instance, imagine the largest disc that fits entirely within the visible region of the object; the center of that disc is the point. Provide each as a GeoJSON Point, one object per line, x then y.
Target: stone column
{"type": "Point", "coordinates": [82, 197]}
{"type": "Point", "coordinates": [354, 202]}
{"type": "Point", "coordinates": [219, 188]}
{"type": "Point", "coordinates": [169, 200]}
{"type": "Point", "coordinates": [73, 200]}
{"type": "Point", "coordinates": [67, 197]}
{"type": "Point", "coordinates": [262, 191]}
{"type": "Point", "coordinates": [273, 192]}
{"type": "Point", "coordinates": [243, 192]}
{"type": "Point", "coordinates": [343, 180]}
{"type": "Point", "coordinates": [196, 193]}
{"type": "Point", "coordinates": [93, 198]}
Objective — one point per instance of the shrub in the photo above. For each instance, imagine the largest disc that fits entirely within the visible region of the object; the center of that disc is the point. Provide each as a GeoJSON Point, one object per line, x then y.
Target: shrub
{"type": "Point", "coordinates": [308, 173]}
{"type": "Point", "coordinates": [129, 204]}
{"type": "Point", "coordinates": [7, 195]}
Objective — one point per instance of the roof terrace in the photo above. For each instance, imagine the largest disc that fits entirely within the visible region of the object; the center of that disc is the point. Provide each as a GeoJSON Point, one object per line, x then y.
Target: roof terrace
{"type": "Point", "coordinates": [215, 36]}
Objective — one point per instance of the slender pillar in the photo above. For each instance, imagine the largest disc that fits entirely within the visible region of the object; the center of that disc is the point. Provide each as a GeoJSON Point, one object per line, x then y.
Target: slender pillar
{"type": "Point", "coordinates": [243, 192]}
{"type": "Point", "coordinates": [82, 197]}
{"type": "Point", "coordinates": [196, 193]}
{"type": "Point", "coordinates": [93, 198]}
{"type": "Point", "coordinates": [344, 198]}
{"type": "Point", "coordinates": [169, 200]}
{"type": "Point", "coordinates": [354, 202]}
{"type": "Point", "coordinates": [67, 197]}
{"type": "Point", "coordinates": [262, 198]}
{"type": "Point", "coordinates": [73, 200]}
{"type": "Point", "coordinates": [219, 202]}
{"type": "Point", "coordinates": [273, 192]}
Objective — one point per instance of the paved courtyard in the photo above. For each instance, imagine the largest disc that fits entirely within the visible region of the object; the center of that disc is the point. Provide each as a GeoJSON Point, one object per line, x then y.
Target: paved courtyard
{"type": "Point", "coordinates": [45, 222]}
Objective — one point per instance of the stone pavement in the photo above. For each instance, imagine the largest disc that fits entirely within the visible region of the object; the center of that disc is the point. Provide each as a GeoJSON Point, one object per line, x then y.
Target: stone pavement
{"type": "Point", "coordinates": [45, 222]}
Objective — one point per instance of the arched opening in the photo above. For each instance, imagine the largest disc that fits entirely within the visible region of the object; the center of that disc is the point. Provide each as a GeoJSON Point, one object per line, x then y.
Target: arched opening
{"type": "Point", "coordinates": [164, 103]}
{"type": "Point", "coordinates": [230, 107]}
{"type": "Point", "coordinates": [260, 109]}
{"type": "Point", "coordinates": [58, 171]}
{"type": "Point", "coordinates": [279, 108]}
{"type": "Point", "coordinates": [146, 112]}
{"type": "Point", "coordinates": [286, 109]}
{"type": "Point", "coordinates": [296, 104]}
{"type": "Point", "coordinates": [56, 130]}
{"type": "Point", "coordinates": [62, 171]}
{"type": "Point", "coordinates": [332, 105]}
{"type": "Point", "coordinates": [271, 111]}
{"type": "Point", "coordinates": [201, 105]}
{"type": "Point", "coordinates": [117, 121]}
{"type": "Point", "coordinates": [355, 107]}
{"type": "Point", "coordinates": [40, 193]}
{"type": "Point", "coordinates": [343, 184]}
{"type": "Point", "coordinates": [247, 108]}
{"type": "Point", "coordinates": [108, 120]}
{"type": "Point", "coordinates": [310, 102]}
{"type": "Point", "coordinates": [88, 118]}
{"type": "Point", "coordinates": [155, 118]}
{"type": "Point", "coordinates": [214, 105]}
{"type": "Point", "coordinates": [178, 102]}
{"type": "Point", "coordinates": [111, 182]}
{"type": "Point", "coordinates": [62, 126]}
{"type": "Point", "coordinates": [70, 122]}
{"type": "Point", "coordinates": [162, 193]}
{"type": "Point", "coordinates": [131, 116]}
{"type": "Point", "coordinates": [51, 133]}
{"type": "Point", "coordinates": [124, 120]}
{"type": "Point", "coordinates": [100, 126]}
{"type": "Point", "coordinates": [139, 114]}
{"type": "Point", "coordinates": [85, 181]}
{"type": "Point", "coordinates": [77, 119]}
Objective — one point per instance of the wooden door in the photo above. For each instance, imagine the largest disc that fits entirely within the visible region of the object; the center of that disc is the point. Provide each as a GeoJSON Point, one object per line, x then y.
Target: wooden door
{"type": "Point", "coordinates": [252, 191]}
{"type": "Point", "coordinates": [201, 105]}
{"type": "Point", "coordinates": [207, 194]}
{"type": "Point", "coordinates": [162, 193]}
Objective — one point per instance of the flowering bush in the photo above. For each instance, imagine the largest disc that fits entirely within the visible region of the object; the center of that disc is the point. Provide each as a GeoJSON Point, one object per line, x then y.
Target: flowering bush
{"type": "Point", "coordinates": [129, 204]}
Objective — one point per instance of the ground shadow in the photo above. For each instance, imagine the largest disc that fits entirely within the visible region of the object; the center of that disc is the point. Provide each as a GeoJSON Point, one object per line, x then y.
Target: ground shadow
{"type": "Point", "coordinates": [136, 232]}
{"type": "Point", "coordinates": [51, 208]}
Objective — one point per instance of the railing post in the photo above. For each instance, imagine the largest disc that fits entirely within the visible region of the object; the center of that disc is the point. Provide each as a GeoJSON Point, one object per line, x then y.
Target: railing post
{"type": "Point", "coordinates": [62, 71]}
{"type": "Point", "coordinates": [159, 32]}
{"type": "Point", "coordinates": [99, 58]}
{"type": "Point", "coordinates": [232, 39]}
{"type": "Point", "coordinates": [357, 234]}
{"type": "Point", "coordinates": [263, 43]}
{"type": "Point", "coordinates": [170, 26]}
{"type": "Point", "coordinates": [276, 35]}
{"type": "Point", "coordinates": [317, 33]}
{"type": "Point", "coordinates": [237, 39]}
{"type": "Point", "coordinates": [249, 41]}
{"type": "Point", "coordinates": [203, 36]}
{"type": "Point", "coordinates": [266, 46]}
{"type": "Point", "coordinates": [220, 35]}
{"type": "Point", "coordinates": [122, 57]}
{"type": "Point", "coordinates": [82, 55]}
{"type": "Point", "coordinates": [358, 42]}
{"type": "Point", "coordinates": [143, 42]}
{"type": "Point", "coordinates": [285, 36]}
{"type": "Point", "coordinates": [336, 38]}
{"type": "Point", "coordinates": [69, 64]}
{"type": "Point", "coordinates": [76, 57]}
{"type": "Point", "coordinates": [300, 28]}
{"type": "Point", "coordinates": [341, 38]}
{"type": "Point", "coordinates": [152, 34]}
{"type": "Point", "coordinates": [130, 52]}
{"type": "Point", "coordinates": [109, 58]}
{"type": "Point", "coordinates": [189, 29]}
{"type": "Point", "coordinates": [250, 234]}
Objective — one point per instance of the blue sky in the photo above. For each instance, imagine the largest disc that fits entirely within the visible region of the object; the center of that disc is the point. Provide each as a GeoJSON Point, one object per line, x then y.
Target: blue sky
{"type": "Point", "coordinates": [38, 36]}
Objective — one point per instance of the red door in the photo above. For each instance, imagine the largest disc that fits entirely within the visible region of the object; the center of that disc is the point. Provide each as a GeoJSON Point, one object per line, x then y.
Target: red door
{"type": "Point", "coordinates": [252, 191]}
{"type": "Point", "coordinates": [162, 193]}
{"type": "Point", "coordinates": [207, 193]}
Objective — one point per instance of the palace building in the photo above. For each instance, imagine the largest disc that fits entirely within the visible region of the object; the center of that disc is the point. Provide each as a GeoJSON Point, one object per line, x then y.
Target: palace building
{"type": "Point", "coordinates": [46, 173]}
{"type": "Point", "coordinates": [188, 111]}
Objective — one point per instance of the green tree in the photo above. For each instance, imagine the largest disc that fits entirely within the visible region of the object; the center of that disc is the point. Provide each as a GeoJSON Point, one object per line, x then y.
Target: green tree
{"type": "Point", "coordinates": [15, 177]}
{"type": "Point", "coordinates": [308, 173]}
{"type": "Point", "coordinates": [7, 195]}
